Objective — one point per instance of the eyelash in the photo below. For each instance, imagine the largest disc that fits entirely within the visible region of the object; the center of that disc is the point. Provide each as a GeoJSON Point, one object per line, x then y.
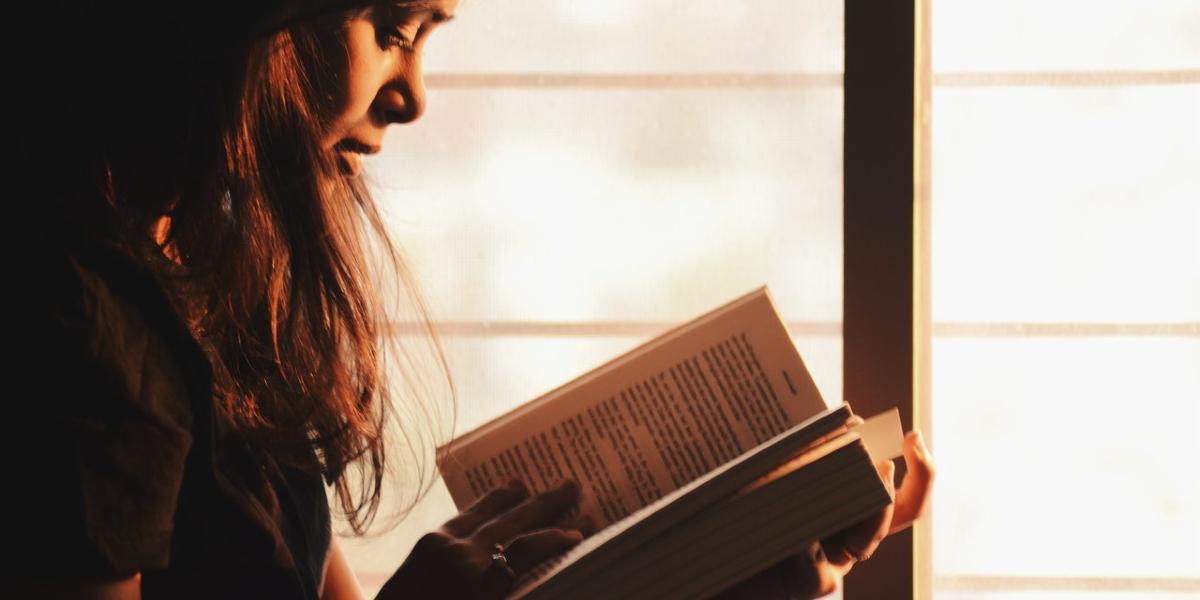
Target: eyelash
{"type": "Point", "coordinates": [396, 38]}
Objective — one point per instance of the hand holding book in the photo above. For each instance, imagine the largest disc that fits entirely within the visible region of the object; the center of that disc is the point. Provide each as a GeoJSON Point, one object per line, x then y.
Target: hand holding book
{"type": "Point", "coordinates": [908, 504]}
{"type": "Point", "coordinates": [456, 560]}
{"type": "Point", "coordinates": [913, 496]}
{"type": "Point", "coordinates": [818, 569]}
{"type": "Point", "coordinates": [702, 455]}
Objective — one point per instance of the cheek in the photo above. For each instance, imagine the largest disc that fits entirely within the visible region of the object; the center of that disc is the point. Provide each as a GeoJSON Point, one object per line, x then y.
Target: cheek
{"type": "Point", "coordinates": [354, 81]}
{"type": "Point", "coordinates": [361, 85]}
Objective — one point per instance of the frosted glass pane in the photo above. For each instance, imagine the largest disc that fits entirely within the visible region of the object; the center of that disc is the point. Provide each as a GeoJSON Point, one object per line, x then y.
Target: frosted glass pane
{"type": "Point", "coordinates": [637, 36]}
{"type": "Point", "coordinates": [1066, 204]}
{"type": "Point", "coordinates": [619, 205]}
{"type": "Point", "coordinates": [1062, 35]}
{"type": "Point", "coordinates": [1067, 457]}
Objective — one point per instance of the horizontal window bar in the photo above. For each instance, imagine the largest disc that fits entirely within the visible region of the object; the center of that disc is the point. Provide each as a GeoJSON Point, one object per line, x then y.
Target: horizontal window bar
{"type": "Point", "coordinates": [1067, 78]}
{"type": "Point", "coordinates": [801, 328]}
{"type": "Point", "coordinates": [799, 80]}
{"type": "Point", "coordinates": [632, 80]}
{"type": "Point", "coordinates": [582, 328]}
{"type": "Point", "coordinates": [970, 329]}
{"type": "Point", "coordinates": [1066, 584]}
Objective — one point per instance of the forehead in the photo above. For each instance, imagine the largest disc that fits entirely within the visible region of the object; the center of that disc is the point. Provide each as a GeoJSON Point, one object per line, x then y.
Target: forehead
{"type": "Point", "coordinates": [442, 10]}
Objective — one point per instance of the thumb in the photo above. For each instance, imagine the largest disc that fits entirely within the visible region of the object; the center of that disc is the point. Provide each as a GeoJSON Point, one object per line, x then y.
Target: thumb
{"type": "Point", "coordinates": [914, 492]}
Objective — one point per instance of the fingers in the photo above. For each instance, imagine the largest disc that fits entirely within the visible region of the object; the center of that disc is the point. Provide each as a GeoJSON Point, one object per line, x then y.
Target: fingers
{"type": "Point", "coordinates": [860, 541]}
{"type": "Point", "coordinates": [531, 549]}
{"type": "Point", "coordinates": [461, 559]}
{"type": "Point", "coordinates": [535, 513]}
{"type": "Point", "coordinates": [486, 508]}
{"type": "Point", "coordinates": [887, 474]}
{"type": "Point", "coordinates": [804, 575]}
{"type": "Point", "coordinates": [827, 580]}
{"type": "Point", "coordinates": [581, 523]}
{"type": "Point", "coordinates": [812, 575]}
{"type": "Point", "coordinates": [914, 492]}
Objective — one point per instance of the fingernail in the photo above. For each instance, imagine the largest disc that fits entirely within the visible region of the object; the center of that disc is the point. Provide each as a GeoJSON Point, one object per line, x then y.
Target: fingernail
{"type": "Point", "coordinates": [575, 535]}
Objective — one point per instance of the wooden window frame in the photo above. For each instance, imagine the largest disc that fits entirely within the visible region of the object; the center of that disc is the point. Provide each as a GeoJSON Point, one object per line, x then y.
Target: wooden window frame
{"type": "Point", "coordinates": [886, 283]}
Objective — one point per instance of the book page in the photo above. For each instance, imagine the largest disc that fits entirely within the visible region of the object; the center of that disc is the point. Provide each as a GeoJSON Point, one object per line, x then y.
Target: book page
{"type": "Point", "coordinates": [883, 435]}
{"type": "Point", "coordinates": [650, 421]}
{"type": "Point", "coordinates": [880, 434]}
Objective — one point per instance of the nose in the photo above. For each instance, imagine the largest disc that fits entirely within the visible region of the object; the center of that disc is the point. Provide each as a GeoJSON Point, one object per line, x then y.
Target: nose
{"type": "Point", "coordinates": [402, 98]}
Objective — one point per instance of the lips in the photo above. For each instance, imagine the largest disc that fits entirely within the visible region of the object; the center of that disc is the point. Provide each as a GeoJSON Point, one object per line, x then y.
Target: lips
{"type": "Point", "coordinates": [350, 155]}
{"type": "Point", "coordinates": [353, 145]}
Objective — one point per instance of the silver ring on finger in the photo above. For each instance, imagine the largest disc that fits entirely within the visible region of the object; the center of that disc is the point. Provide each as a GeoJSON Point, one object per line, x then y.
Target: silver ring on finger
{"type": "Point", "coordinates": [500, 561]}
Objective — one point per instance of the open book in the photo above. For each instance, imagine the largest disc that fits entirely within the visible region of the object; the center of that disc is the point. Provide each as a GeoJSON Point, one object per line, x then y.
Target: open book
{"type": "Point", "coordinates": [703, 456]}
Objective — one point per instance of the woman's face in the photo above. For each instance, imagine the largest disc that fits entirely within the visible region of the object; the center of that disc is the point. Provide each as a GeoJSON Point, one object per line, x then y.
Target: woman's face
{"type": "Point", "coordinates": [380, 81]}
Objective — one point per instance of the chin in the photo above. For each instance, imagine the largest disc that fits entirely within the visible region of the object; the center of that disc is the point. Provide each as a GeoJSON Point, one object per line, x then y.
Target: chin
{"type": "Point", "coordinates": [349, 163]}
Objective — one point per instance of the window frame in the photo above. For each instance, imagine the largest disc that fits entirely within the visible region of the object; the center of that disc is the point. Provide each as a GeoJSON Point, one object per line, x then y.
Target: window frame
{"type": "Point", "coordinates": [886, 290]}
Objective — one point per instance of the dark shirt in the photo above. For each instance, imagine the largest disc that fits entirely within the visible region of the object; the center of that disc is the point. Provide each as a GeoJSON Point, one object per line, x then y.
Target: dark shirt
{"type": "Point", "coordinates": [122, 463]}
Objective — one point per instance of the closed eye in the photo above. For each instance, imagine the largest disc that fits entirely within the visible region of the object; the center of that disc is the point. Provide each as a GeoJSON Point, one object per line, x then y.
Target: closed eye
{"type": "Point", "coordinates": [403, 27]}
{"type": "Point", "coordinates": [400, 37]}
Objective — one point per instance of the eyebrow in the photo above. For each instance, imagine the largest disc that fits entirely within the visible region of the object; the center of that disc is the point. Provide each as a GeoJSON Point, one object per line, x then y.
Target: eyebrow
{"type": "Point", "coordinates": [437, 14]}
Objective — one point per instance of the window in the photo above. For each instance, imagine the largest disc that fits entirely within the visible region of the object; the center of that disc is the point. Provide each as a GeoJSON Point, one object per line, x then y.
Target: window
{"type": "Point", "coordinates": [1065, 242]}
{"type": "Point", "coordinates": [589, 174]}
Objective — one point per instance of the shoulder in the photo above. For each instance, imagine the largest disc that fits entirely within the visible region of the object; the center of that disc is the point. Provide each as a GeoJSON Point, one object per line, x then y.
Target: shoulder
{"type": "Point", "coordinates": [100, 319]}
{"type": "Point", "coordinates": [101, 340]}
{"type": "Point", "coordinates": [107, 424]}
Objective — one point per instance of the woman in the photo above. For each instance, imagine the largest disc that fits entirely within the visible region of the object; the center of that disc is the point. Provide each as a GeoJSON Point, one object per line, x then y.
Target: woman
{"type": "Point", "coordinates": [204, 316]}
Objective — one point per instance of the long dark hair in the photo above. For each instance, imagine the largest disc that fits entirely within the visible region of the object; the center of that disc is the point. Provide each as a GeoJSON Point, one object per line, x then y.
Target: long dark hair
{"type": "Point", "coordinates": [276, 261]}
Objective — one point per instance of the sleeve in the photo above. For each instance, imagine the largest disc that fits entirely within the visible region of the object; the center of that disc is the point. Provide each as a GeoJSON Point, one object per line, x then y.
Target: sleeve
{"type": "Point", "coordinates": [102, 444]}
